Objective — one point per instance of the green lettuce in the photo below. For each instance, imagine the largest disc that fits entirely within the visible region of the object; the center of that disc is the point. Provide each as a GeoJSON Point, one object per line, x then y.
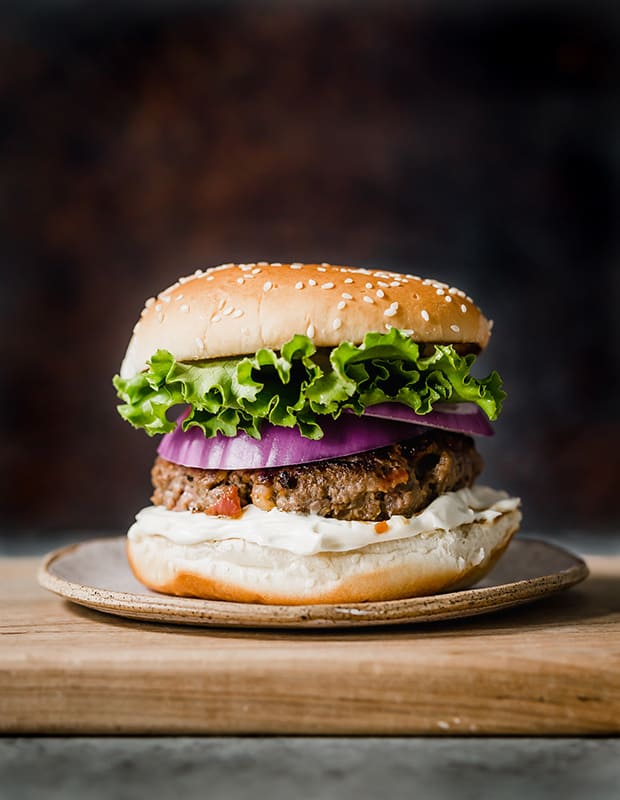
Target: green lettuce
{"type": "Point", "coordinates": [299, 385]}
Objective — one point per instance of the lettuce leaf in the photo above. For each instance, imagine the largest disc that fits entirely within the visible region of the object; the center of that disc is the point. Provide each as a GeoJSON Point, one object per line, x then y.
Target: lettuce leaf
{"type": "Point", "coordinates": [298, 385]}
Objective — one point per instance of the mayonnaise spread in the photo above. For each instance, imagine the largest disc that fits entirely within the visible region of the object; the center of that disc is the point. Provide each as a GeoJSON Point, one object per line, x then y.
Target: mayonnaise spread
{"type": "Point", "coordinates": [306, 534]}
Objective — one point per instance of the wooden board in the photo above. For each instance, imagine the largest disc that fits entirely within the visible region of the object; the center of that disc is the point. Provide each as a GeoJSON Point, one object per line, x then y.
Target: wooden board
{"type": "Point", "coordinates": [549, 668]}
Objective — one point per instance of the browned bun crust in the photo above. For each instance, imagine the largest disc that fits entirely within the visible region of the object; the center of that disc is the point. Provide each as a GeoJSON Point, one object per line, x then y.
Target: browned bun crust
{"type": "Point", "coordinates": [236, 309]}
{"type": "Point", "coordinates": [244, 572]}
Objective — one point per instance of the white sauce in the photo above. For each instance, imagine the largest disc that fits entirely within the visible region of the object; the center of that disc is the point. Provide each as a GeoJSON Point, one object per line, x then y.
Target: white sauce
{"type": "Point", "coordinates": [306, 534]}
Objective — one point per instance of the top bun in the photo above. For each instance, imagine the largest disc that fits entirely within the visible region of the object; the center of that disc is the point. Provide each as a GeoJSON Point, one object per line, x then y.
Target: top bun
{"type": "Point", "coordinates": [236, 309]}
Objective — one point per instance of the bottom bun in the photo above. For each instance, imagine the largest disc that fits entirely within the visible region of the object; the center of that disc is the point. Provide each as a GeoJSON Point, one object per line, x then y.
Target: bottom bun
{"type": "Point", "coordinates": [245, 572]}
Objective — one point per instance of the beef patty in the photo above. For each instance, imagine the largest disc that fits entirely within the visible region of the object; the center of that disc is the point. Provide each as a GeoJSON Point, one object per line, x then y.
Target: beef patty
{"type": "Point", "coordinates": [400, 479]}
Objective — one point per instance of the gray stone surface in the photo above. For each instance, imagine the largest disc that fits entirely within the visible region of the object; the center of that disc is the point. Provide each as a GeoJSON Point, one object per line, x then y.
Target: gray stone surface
{"type": "Point", "coordinates": [304, 768]}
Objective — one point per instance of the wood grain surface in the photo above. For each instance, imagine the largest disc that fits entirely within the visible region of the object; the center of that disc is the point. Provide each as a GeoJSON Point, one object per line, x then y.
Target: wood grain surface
{"type": "Point", "coordinates": [552, 667]}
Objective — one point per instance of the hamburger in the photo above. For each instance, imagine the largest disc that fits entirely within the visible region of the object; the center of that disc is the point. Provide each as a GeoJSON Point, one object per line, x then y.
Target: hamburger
{"type": "Point", "coordinates": [318, 428]}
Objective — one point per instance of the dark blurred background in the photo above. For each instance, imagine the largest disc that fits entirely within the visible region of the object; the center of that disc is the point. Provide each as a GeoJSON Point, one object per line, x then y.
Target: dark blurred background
{"type": "Point", "coordinates": [477, 143]}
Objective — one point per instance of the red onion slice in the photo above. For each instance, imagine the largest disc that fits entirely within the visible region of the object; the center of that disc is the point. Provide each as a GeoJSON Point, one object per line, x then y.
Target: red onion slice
{"type": "Point", "coordinates": [382, 425]}
{"type": "Point", "coordinates": [458, 417]}
{"type": "Point", "coordinates": [280, 447]}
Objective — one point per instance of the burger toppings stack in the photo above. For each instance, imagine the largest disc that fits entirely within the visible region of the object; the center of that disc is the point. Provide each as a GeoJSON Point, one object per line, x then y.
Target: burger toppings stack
{"type": "Point", "coordinates": [317, 426]}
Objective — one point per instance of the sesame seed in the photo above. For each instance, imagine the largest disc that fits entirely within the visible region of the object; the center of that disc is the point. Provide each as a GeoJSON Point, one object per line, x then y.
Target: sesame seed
{"type": "Point", "coordinates": [240, 281]}
{"type": "Point", "coordinates": [256, 270]}
{"type": "Point", "coordinates": [426, 282]}
{"type": "Point", "coordinates": [158, 307]}
{"type": "Point", "coordinates": [263, 263]}
{"type": "Point", "coordinates": [346, 296]}
{"type": "Point", "coordinates": [336, 324]}
{"type": "Point", "coordinates": [452, 290]}
{"type": "Point", "coordinates": [299, 285]}
{"type": "Point", "coordinates": [469, 300]}
{"type": "Point", "coordinates": [369, 285]}
{"type": "Point", "coordinates": [216, 318]}
{"type": "Point", "coordinates": [440, 292]}
{"type": "Point", "coordinates": [463, 308]}
{"type": "Point", "coordinates": [368, 299]}
{"type": "Point", "coordinates": [491, 323]}
{"type": "Point", "coordinates": [348, 280]}
{"type": "Point", "coordinates": [424, 315]}
{"type": "Point", "coordinates": [311, 282]}
{"type": "Point", "coordinates": [184, 280]}
{"type": "Point", "coordinates": [391, 311]}
{"type": "Point", "coordinates": [199, 273]}
{"type": "Point", "coordinates": [383, 283]}
{"type": "Point", "coordinates": [179, 297]}
{"type": "Point", "coordinates": [341, 305]}
{"type": "Point", "coordinates": [328, 285]}
{"type": "Point", "coordinates": [184, 308]}
{"type": "Point", "coordinates": [455, 328]}
{"type": "Point", "coordinates": [165, 298]}
{"type": "Point", "coordinates": [310, 331]}
{"type": "Point", "coordinates": [199, 343]}
{"type": "Point", "coordinates": [380, 293]}
{"type": "Point", "coordinates": [321, 269]}
{"type": "Point", "coordinates": [245, 267]}
{"type": "Point", "coordinates": [395, 283]}
{"type": "Point", "coordinates": [228, 310]}
{"type": "Point", "coordinates": [388, 327]}
{"type": "Point", "coordinates": [448, 298]}
{"type": "Point", "coordinates": [238, 312]}
{"type": "Point", "coordinates": [210, 277]}
{"type": "Point", "coordinates": [267, 286]}
{"type": "Point", "coordinates": [160, 317]}
{"type": "Point", "coordinates": [296, 266]}
{"type": "Point", "coordinates": [276, 263]}
{"type": "Point", "coordinates": [407, 331]}
{"type": "Point", "coordinates": [325, 264]}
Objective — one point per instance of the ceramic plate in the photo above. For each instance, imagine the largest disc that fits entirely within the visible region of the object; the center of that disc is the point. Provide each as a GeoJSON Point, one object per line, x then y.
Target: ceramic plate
{"type": "Point", "coordinates": [96, 574]}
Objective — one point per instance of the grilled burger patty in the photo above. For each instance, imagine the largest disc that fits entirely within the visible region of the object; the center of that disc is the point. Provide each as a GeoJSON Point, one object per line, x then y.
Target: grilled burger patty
{"type": "Point", "coordinates": [400, 479]}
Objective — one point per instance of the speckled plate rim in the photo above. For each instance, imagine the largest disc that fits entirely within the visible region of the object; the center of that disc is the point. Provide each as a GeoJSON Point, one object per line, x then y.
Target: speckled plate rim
{"type": "Point", "coordinates": [155, 607]}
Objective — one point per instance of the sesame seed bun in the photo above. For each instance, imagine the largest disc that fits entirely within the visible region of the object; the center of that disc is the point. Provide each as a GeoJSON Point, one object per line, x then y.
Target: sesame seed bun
{"type": "Point", "coordinates": [242, 571]}
{"type": "Point", "coordinates": [236, 309]}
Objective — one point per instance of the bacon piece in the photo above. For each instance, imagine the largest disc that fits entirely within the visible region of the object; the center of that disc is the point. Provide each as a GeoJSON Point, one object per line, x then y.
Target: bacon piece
{"type": "Point", "coordinates": [224, 502]}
